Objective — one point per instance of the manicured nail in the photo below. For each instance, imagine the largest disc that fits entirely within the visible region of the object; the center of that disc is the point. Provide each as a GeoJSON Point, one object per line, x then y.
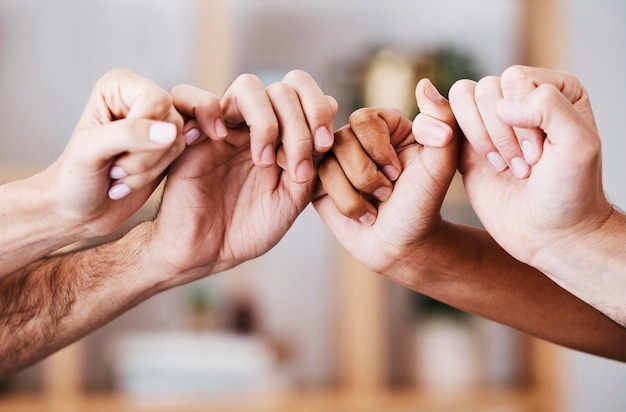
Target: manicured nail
{"type": "Point", "coordinates": [367, 219]}
{"type": "Point", "coordinates": [304, 171]}
{"type": "Point", "coordinates": [117, 172]}
{"type": "Point", "coordinates": [323, 137]}
{"type": "Point", "coordinates": [390, 172]}
{"type": "Point", "coordinates": [220, 128]}
{"type": "Point", "coordinates": [162, 132]}
{"type": "Point", "coordinates": [431, 92]}
{"type": "Point", "coordinates": [267, 155]}
{"type": "Point", "coordinates": [382, 193]}
{"type": "Point", "coordinates": [519, 167]}
{"type": "Point", "coordinates": [119, 191]}
{"type": "Point", "coordinates": [529, 151]}
{"type": "Point", "coordinates": [496, 161]}
{"type": "Point", "coordinates": [192, 136]}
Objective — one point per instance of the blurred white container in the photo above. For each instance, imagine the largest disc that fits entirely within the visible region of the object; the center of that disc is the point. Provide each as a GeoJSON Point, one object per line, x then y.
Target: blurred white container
{"type": "Point", "coordinates": [180, 363]}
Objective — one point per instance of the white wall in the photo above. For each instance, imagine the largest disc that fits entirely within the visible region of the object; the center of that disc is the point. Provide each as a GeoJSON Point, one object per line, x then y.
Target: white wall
{"type": "Point", "coordinates": [52, 52]}
{"type": "Point", "coordinates": [597, 55]}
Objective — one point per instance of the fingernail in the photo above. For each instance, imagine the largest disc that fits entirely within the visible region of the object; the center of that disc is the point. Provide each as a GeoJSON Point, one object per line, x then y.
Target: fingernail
{"type": "Point", "coordinates": [117, 172]}
{"type": "Point", "coordinates": [192, 136]}
{"type": "Point", "coordinates": [267, 155]}
{"type": "Point", "coordinates": [519, 167]}
{"type": "Point", "coordinates": [119, 191]}
{"type": "Point", "coordinates": [220, 128]}
{"type": "Point", "coordinates": [367, 219]}
{"type": "Point", "coordinates": [390, 172]}
{"type": "Point", "coordinates": [431, 92]}
{"type": "Point", "coordinates": [496, 161]}
{"type": "Point", "coordinates": [529, 151]}
{"type": "Point", "coordinates": [304, 171]}
{"type": "Point", "coordinates": [382, 193]}
{"type": "Point", "coordinates": [162, 132]}
{"type": "Point", "coordinates": [323, 138]}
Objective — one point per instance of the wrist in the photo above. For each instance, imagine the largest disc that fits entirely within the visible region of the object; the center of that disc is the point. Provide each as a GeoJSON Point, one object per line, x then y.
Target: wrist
{"type": "Point", "coordinates": [164, 262]}
{"type": "Point", "coordinates": [591, 265]}
{"type": "Point", "coordinates": [30, 224]}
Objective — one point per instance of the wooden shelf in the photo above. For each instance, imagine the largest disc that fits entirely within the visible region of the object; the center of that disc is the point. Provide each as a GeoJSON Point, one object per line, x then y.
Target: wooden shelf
{"type": "Point", "coordinates": [327, 401]}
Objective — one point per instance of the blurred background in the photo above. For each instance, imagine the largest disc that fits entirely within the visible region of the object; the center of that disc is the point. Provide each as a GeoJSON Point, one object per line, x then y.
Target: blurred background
{"type": "Point", "coordinates": [304, 327]}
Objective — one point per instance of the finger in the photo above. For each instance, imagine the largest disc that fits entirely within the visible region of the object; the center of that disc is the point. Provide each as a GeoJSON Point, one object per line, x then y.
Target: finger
{"type": "Point", "coordinates": [203, 107]}
{"type": "Point", "coordinates": [247, 103]}
{"type": "Point", "coordinates": [551, 111]}
{"type": "Point", "coordinates": [318, 110]}
{"type": "Point", "coordinates": [347, 200]}
{"type": "Point", "coordinates": [438, 120]}
{"type": "Point", "coordinates": [378, 131]}
{"type": "Point", "coordinates": [356, 164]}
{"type": "Point", "coordinates": [518, 81]}
{"type": "Point", "coordinates": [295, 134]}
{"type": "Point", "coordinates": [149, 169]}
{"type": "Point", "coordinates": [145, 141]}
{"type": "Point", "coordinates": [487, 95]}
{"type": "Point", "coordinates": [125, 94]}
{"type": "Point", "coordinates": [435, 125]}
{"type": "Point", "coordinates": [471, 123]}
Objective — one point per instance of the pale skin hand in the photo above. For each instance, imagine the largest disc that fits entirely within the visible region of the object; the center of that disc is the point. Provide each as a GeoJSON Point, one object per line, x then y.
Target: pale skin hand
{"type": "Point", "coordinates": [127, 136]}
{"type": "Point", "coordinates": [411, 245]}
{"type": "Point", "coordinates": [218, 210]}
{"type": "Point", "coordinates": [555, 218]}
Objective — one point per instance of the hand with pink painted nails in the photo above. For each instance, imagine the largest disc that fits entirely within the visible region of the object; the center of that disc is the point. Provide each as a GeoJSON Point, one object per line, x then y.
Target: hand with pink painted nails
{"type": "Point", "coordinates": [128, 135]}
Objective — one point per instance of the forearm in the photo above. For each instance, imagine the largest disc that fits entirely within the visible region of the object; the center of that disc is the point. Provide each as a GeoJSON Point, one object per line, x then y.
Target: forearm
{"type": "Point", "coordinates": [468, 270]}
{"type": "Point", "coordinates": [593, 267]}
{"type": "Point", "coordinates": [30, 228]}
{"type": "Point", "coordinates": [56, 301]}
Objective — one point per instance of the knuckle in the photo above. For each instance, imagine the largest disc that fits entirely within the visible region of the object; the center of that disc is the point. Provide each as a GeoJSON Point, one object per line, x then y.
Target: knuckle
{"type": "Point", "coordinates": [280, 89]}
{"type": "Point", "coordinates": [486, 86]}
{"type": "Point", "coordinates": [297, 75]}
{"type": "Point", "coordinates": [363, 117]}
{"type": "Point", "coordinates": [247, 80]}
{"type": "Point", "coordinates": [366, 177]}
{"type": "Point", "coordinates": [516, 77]}
{"type": "Point", "coordinates": [461, 89]}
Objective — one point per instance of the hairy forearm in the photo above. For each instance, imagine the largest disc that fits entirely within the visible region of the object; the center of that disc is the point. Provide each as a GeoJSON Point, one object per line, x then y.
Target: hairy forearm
{"type": "Point", "coordinates": [29, 228]}
{"type": "Point", "coordinates": [55, 301]}
{"type": "Point", "coordinates": [470, 271]}
{"type": "Point", "coordinates": [593, 267]}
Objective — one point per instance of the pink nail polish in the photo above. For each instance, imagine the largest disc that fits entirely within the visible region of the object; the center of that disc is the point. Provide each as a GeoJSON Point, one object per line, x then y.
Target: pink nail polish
{"type": "Point", "coordinates": [192, 136]}
{"type": "Point", "coordinates": [162, 132]}
{"type": "Point", "coordinates": [117, 172]}
{"type": "Point", "coordinates": [119, 191]}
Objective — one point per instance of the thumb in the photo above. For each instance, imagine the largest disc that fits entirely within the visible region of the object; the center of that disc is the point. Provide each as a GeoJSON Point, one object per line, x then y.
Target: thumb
{"type": "Point", "coordinates": [97, 148]}
{"type": "Point", "coordinates": [437, 130]}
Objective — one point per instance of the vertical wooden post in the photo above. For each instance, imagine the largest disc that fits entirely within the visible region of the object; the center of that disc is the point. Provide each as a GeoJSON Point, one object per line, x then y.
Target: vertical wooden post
{"type": "Point", "coordinates": [543, 39]}
{"type": "Point", "coordinates": [363, 333]}
{"type": "Point", "coordinates": [544, 45]}
{"type": "Point", "coordinates": [63, 373]}
{"type": "Point", "coordinates": [214, 45]}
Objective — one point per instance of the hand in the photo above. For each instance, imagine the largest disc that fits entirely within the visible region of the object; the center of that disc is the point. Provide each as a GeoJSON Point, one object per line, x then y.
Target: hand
{"type": "Point", "coordinates": [220, 208]}
{"type": "Point", "coordinates": [408, 221]}
{"type": "Point", "coordinates": [562, 201]}
{"type": "Point", "coordinates": [126, 138]}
